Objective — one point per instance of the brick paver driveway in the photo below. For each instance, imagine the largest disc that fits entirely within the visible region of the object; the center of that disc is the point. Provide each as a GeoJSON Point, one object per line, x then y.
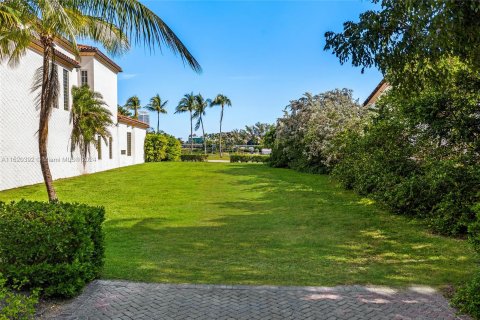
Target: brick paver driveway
{"type": "Point", "coordinates": [127, 300]}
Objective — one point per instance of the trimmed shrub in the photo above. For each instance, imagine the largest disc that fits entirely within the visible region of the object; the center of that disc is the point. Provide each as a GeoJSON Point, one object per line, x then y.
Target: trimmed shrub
{"type": "Point", "coordinates": [155, 146]}
{"type": "Point", "coordinates": [15, 305]}
{"type": "Point", "coordinates": [161, 147]}
{"type": "Point", "coordinates": [249, 158]}
{"type": "Point", "coordinates": [174, 149]}
{"type": "Point", "coordinates": [467, 298]}
{"type": "Point", "coordinates": [56, 247]}
{"type": "Point", "coordinates": [194, 157]}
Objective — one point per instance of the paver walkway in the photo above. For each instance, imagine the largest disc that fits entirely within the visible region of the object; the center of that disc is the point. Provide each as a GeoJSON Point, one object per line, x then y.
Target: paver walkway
{"type": "Point", "coordinates": [127, 300]}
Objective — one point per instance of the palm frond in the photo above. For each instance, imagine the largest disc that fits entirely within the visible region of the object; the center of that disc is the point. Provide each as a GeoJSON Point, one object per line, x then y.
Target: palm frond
{"type": "Point", "coordinates": [140, 24]}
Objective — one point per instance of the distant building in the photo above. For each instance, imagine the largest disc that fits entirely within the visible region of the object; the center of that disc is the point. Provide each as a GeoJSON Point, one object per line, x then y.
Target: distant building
{"type": "Point", "coordinates": [144, 116]}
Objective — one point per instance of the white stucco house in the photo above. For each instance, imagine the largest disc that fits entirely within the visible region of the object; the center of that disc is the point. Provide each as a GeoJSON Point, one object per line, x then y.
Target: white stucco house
{"type": "Point", "coordinates": [19, 164]}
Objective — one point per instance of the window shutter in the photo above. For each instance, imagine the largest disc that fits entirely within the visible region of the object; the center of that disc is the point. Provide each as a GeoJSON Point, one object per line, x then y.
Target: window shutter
{"type": "Point", "coordinates": [129, 143]}
{"type": "Point", "coordinates": [66, 93]}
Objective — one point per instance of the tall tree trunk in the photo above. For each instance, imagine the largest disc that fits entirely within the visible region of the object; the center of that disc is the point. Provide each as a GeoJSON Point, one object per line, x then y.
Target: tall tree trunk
{"type": "Point", "coordinates": [191, 132]}
{"type": "Point", "coordinates": [46, 97]}
{"type": "Point", "coordinates": [158, 121]}
{"type": "Point", "coordinates": [204, 141]}
{"type": "Point", "coordinates": [221, 119]}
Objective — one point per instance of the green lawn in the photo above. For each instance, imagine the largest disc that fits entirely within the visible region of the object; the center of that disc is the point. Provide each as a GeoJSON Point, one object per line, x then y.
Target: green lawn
{"type": "Point", "coordinates": [251, 224]}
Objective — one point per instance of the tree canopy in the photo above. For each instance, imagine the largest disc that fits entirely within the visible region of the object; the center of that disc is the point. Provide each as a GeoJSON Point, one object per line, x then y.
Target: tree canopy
{"type": "Point", "coordinates": [404, 36]}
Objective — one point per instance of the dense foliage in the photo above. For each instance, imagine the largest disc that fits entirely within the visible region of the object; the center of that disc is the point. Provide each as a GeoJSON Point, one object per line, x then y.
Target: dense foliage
{"type": "Point", "coordinates": [467, 299]}
{"type": "Point", "coordinates": [402, 32]}
{"type": "Point", "coordinates": [421, 154]}
{"type": "Point", "coordinates": [161, 147]}
{"type": "Point", "coordinates": [306, 134]}
{"type": "Point", "coordinates": [56, 247]}
{"type": "Point", "coordinates": [249, 158]}
{"type": "Point", "coordinates": [16, 305]}
{"type": "Point", "coordinates": [194, 157]}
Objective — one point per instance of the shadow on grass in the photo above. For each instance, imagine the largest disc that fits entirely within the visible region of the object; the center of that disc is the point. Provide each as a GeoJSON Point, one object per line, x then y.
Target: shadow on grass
{"type": "Point", "coordinates": [284, 229]}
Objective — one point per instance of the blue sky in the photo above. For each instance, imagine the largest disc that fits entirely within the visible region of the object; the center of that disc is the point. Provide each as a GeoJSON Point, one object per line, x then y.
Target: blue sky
{"type": "Point", "coordinates": [261, 54]}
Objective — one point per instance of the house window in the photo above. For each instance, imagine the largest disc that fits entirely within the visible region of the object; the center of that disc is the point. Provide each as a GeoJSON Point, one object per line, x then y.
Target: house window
{"type": "Point", "coordinates": [84, 77]}
{"type": "Point", "coordinates": [66, 94]}
{"type": "Point", "coordinates": [129, 143]}
{"type": "Point", "coordinates": [99, 148]}
{"type": "Point", "coordinates": [110, 147]}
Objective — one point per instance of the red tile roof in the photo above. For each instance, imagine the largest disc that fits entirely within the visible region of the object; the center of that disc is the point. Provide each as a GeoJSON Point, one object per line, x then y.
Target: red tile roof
{"type": "Point", "coordinates": [94, 51]}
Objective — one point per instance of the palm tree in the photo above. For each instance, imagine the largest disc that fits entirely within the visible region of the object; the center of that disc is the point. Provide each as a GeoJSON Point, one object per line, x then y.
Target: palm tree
{"type": "Point", "coordinates": [187, 104]}
{"type": "Point", "coordinates": [201, 106]}
{"type": "Point", "coordinates": [90, 119]}
{"type": "Point", "coordinates": [133, 103]}
{"type": "Point", "coordinates": [158, 106]}
{"type": "Point", "coordinates": [123, 111]}
{"type": "Point", "coordinates": [110, 23]}
{"type": "Point", "coordinates": [221, 100]}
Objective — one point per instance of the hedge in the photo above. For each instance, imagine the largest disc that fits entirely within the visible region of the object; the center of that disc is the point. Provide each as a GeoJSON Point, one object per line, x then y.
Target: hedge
{"type": "Point", "coordinates": [194, 157]}
{"type": "Point", "coordinates": [249, 158]}
{"type": "Point", "coordinates": [161, 147]}
{"type": "Point", "coordinates": [55, 247]}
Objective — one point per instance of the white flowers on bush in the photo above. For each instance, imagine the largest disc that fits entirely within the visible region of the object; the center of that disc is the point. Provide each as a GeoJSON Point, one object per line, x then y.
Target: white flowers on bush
{"type": "Point", "coordinates": [306, 136]}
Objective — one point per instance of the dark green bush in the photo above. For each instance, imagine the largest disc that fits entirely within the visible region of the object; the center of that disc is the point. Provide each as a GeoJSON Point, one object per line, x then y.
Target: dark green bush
{"type": "Point", "coordinates": [57, 247]}
{"type": "Point", "coordinates": [249, 158]}
{"type": "Point", "coordinates": [467, 298]}
{"type": "Point", "coordinates": [161, 147]}
{"type": "Point", "coordinates": [194, 157]}
{"type": "Point", "coordinates": [474, 228]}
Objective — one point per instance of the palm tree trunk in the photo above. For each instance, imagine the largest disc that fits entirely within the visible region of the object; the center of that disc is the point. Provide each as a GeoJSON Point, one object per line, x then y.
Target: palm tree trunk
{"type": "Point", "coordinates": [204, 141]}
{"type": "Point", "coordinates": [221, 119]}
{"type": "Point", "coordinates": [158, 121]}
{"type": "Point", "coordinates": [45, 110]}
{"type": "Point", "coordinates": [191, 132]}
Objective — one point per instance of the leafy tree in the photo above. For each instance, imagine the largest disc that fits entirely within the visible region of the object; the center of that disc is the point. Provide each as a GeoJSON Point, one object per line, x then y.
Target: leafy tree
{"type": "Point", "coordinates": [306, 134]}
{"type": "Point", "coordinates": [201, 106]}
{"type": "Point", "coordinates": [133, 103]}
{"type": "Point", "coordinates": [222, 101]}
{"type": "Point", "coordinates": [123, 111]}
{"type": "Point", "coordinates": [405, 33]}
{"type": "Point", "coordinates": [111, 23]}
{"type": "Point", "coordinates": [256, 133]}
{"type": "Point", "coordinates": [269, 138]}
{"type": "Point", "coordinates": [90, 119]}
{"type": "Point", "coordinates": [188, 104]}
{"type": "Point", "coordinates": [158, 106]}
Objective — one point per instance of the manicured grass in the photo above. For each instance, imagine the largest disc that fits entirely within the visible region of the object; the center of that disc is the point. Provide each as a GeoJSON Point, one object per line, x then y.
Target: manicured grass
{"type": "Point", "coordinates": [251, 224]}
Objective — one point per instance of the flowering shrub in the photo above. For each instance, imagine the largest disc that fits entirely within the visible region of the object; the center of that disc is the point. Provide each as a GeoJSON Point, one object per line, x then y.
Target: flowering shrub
{"type": "Point", "coordinates": [305, 136]}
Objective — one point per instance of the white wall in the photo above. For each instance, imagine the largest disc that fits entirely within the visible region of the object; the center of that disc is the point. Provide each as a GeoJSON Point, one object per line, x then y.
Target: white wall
{"type": "Point", "coordinates": [19, 163]}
